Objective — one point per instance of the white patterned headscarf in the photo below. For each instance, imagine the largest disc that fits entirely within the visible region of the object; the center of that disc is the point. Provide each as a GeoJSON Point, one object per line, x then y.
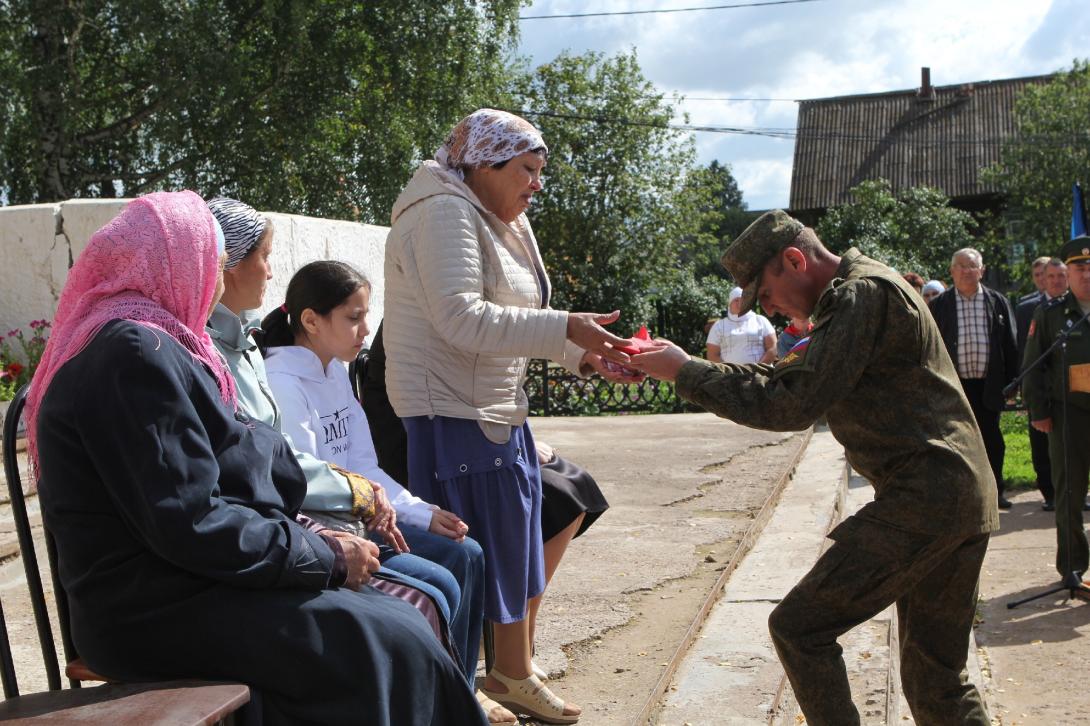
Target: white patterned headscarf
{"type": "Point", "coordinates": [487, 137]}
{"type": "Point", "coordinates": [242, 227]}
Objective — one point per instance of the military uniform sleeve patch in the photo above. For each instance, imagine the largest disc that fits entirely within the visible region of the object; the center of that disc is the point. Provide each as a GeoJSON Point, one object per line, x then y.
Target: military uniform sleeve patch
{"type": "Point", "coordinates": [1032, 328]}
{"type": "Point", "coordinates": [795, 357]}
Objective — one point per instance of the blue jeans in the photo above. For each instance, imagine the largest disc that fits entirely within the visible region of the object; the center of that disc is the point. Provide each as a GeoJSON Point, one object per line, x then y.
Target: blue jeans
{"type": "Point", "coordinates": [453, 574]}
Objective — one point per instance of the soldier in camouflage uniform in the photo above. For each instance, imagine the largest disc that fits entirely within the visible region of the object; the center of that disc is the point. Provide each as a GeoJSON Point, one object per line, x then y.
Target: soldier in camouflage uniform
{"type": "Point", "coordinates": [1043, 391]}
{"type": "Point", "coordinates": [876, 367]}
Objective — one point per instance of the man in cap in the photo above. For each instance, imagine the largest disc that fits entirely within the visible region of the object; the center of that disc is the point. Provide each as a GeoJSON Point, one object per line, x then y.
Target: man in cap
{"type": "Point", "coordinates": [1046, 394]}
{"type": "Point", "coordinates": [875, 366]}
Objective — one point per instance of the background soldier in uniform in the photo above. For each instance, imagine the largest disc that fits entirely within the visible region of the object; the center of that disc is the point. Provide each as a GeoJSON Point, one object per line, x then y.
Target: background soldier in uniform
{"type": "Point", "coordinates": [877, 368]}
{"type": "Point", "coordinates": [1043, 390]}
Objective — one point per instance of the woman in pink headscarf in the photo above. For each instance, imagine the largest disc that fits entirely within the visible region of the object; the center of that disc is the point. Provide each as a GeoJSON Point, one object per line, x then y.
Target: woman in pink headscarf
{"type": "Point", "coordinates": [174, 513]}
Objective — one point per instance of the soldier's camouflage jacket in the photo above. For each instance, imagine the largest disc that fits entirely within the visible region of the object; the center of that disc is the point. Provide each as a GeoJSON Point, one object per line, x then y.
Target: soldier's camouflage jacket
{"type": "Point", "coordinates": [1043, 386]}
{"type": "Point", "coordinates": [876, 367]}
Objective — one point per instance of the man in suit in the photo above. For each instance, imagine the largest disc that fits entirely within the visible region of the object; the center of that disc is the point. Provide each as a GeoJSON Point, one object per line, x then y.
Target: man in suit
{"type": "Point", "coordinates": [1053, 274]}
{"type": "Point", "coordinates": [977, 326]}
{"type": "Point", "coordinates": [1037, 270]}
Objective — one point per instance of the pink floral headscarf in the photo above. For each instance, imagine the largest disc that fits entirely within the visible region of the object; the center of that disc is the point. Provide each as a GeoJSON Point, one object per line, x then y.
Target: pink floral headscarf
{"type": "Point", "coordinates": [487, 137]}
{"type": "Point", "coordinates": [156, 264]}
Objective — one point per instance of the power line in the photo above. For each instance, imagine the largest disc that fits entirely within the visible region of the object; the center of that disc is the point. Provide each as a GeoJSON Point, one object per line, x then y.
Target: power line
{"type": "Point", "coordinates": [667, 10]}
{"type": "Point", "coordinates": [793, 133]}
{"type": "Point", "coordinates": [683, 97]}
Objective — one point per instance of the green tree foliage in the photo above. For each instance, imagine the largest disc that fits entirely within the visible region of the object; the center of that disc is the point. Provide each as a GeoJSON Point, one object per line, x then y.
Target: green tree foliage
{"type": "Point", "coordinates": [688, 305]}
{"type": "Point", "coordinates": [615, 202]}
{"type": "Point", "coordinates": [1050, 153]}
{"type": "Point", "coordinates": [315, 107]}
{"type": "Point", "coordinates": [723, 216]}
{"type": "Point", "coordinates": [916, 231]}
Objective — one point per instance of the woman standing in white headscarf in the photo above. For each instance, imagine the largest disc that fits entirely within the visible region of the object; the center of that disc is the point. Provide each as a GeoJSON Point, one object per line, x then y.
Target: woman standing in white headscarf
{"type": "Point", "coordinates": [466, 308]}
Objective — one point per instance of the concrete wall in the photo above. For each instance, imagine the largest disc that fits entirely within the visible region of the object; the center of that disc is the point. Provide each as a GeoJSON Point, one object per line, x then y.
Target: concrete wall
{"type": "Point", "coordinates": [38, 244]}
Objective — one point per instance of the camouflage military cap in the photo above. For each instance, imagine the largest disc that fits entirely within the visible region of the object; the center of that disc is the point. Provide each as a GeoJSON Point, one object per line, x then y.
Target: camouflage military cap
{"type": "Point", "coordinates": [750, 251]}
{"type": "Point", "coordinates": [1077, 250]}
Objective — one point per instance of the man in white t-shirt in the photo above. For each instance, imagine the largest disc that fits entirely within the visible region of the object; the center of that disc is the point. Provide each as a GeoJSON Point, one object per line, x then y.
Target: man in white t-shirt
{"type": "Point", "coordinates": [748, 338]}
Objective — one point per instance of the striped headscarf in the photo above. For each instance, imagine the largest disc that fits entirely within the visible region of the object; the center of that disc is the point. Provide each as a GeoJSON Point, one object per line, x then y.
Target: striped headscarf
{"type": "Point", "coordinates": [242, 227]}
{"type": "Point", "coordinates": [487, 137]}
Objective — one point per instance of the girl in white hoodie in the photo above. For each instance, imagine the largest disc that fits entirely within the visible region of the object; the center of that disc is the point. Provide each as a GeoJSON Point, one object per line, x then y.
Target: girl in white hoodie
{"type": "Point", "coordinates": [307, 341]}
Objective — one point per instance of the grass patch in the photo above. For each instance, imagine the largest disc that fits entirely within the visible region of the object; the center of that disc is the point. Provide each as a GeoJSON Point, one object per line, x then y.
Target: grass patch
{"type": "Point", "coordinates": [1018, 463]}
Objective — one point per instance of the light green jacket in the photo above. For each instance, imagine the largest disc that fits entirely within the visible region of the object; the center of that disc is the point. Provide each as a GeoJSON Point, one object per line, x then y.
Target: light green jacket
{"type": "Point", "coordinates": [327, 491]}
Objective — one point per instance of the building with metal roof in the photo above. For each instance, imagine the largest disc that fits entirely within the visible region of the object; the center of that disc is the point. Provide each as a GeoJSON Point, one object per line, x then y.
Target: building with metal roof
{"type": "Point", "coordinates": [937, 136]}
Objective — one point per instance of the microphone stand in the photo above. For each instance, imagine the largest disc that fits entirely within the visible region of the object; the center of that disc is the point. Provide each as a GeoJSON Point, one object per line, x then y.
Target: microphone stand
{"type": "Point", "coordinates": [1072, 581]}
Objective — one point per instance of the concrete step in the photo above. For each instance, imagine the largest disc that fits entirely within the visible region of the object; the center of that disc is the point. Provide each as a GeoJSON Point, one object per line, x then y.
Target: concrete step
{"type": "Point", "coordinates": [731, 675]}
{"type": "Point", "coordinates": [870, 651]}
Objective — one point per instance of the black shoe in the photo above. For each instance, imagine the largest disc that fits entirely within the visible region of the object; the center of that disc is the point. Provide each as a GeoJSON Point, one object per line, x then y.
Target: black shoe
{"type": "Point", "coordinates": [1004, 503]}
{"type": "Point", "coordinates": [1048, 506]}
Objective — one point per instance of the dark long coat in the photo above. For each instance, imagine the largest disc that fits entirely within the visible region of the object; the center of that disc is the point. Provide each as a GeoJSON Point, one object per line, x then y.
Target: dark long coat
{"type": "Point", "coordinates": [174, 523]}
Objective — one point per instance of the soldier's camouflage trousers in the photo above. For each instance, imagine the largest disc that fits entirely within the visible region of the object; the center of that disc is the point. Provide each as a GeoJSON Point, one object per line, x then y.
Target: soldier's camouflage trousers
{"type": "Point", "coordinates": [932, 579]}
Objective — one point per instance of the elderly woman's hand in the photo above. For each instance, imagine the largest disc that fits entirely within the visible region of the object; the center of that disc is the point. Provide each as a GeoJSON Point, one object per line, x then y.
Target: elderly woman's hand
{"type": "Point", "coordinates": [360, 557]}
{"type": "Point", "coordinates": [616, 374]}
{"type": "Point", "coordinates": [586, 331]}
{"type": "Point", "coordinates": [385, 521]}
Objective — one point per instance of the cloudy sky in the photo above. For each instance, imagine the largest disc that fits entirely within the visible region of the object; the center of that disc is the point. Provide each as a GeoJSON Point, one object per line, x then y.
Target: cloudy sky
{"type": "Point", "coordinates": [808, 50]}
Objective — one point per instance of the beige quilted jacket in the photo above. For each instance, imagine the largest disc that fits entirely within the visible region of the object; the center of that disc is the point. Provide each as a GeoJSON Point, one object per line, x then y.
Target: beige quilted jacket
{"type": "Point", "coordinates": [463, 306]}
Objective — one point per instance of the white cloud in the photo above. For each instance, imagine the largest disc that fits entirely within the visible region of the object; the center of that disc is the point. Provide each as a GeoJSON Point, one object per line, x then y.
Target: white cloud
{"type": "Point", "coordinates": [762, 181]}
{"type": "Point", "coordinates": [812, 50]}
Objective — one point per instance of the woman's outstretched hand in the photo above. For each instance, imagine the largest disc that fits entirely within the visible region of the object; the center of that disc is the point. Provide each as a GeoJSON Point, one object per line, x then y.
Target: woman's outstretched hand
{"type": "Point", "coordinates": [586, 331]}
{"type": "Point", "coordinates": [616, 374]}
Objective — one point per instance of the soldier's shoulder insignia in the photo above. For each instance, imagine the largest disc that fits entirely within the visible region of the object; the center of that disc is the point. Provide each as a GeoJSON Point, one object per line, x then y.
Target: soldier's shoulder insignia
{"type": "Point", "coordinates": [795, 356]}
{"type": "Point", "coordinates": [1032, 328]}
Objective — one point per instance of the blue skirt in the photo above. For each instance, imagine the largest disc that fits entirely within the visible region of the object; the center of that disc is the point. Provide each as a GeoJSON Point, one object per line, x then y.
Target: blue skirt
{"type": "Point", "coordinates": [496, 489]}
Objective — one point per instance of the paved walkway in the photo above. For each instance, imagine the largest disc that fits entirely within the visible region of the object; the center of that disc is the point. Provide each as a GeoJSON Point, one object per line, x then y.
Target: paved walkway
{"type": "Point", "coordinates": [1031, 663]}
{"type": "Point", "coordinates": [678, 483]}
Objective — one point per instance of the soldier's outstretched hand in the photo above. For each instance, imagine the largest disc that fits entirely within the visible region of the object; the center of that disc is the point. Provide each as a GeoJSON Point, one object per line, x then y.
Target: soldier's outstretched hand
{"type": "Point", "coordinates": [664, 363]}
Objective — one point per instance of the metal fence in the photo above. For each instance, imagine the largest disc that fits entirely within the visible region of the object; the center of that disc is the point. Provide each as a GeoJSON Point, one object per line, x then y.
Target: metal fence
{"type": "Point", "coordinates": [553, 391]}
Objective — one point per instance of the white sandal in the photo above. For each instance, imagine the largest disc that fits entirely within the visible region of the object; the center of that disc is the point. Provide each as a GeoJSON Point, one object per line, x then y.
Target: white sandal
{"type": "Point", "coordinates": [537, 671]}
{"type": "Point", "coordinates": [496, 712]}
{"type": "Point", "coordinates": [531, 697]}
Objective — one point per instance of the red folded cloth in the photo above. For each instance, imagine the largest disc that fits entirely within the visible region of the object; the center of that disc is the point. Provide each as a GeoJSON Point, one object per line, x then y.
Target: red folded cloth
{"type": "Point", "coordinates": [638, 343]}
